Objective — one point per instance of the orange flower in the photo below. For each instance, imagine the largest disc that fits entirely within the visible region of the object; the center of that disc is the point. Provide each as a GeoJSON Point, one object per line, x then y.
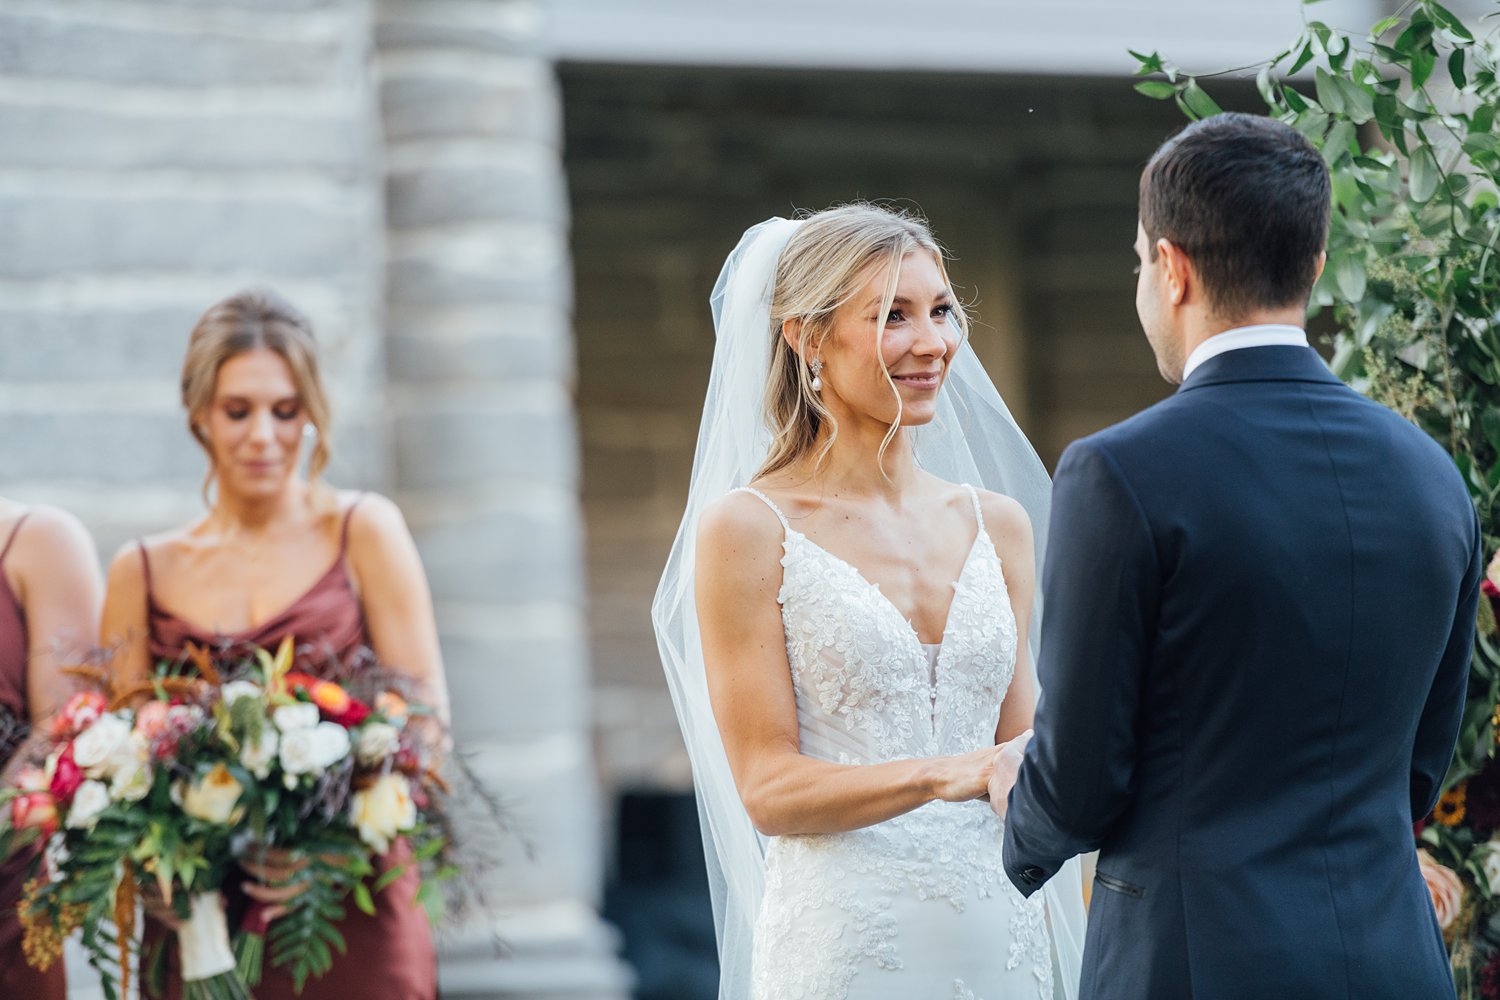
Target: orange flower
{"type": "Point", "coordinates": [1450, 807]}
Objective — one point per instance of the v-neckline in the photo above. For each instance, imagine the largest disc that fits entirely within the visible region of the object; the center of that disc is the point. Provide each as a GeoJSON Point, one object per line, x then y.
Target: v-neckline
{"type": "Point", "coordinates": [241, 634]}
{"type": "Point", "coordinates": [911, 628]}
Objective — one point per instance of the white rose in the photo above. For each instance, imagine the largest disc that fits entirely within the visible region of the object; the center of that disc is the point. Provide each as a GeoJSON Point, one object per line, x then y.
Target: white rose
{"type": "Point", "coordinates": [239, 689]}
{"type": "Point", "coordinates": [102, 746]}
{"type": "Point", "coordinates": [383, 811]}
{"type": "Point", "coordinates": [257, 757]}
{"type": "Point", "coordinates": [296, 752]}
{"type": "Point", "coordinates": [213, 797]}
{"type": "Point", "coordinates": [330, 745]}
{"type": "Point", "coordinates": [1491, 864]}
{"type": "Point", "coordinates": [132, 782]}
{"type": "Point", "coordinates": [91, 799]}
{"type": "Point", "coordinates": [377, 741]}
{"type": "Point", "coordinates": [291, 718]}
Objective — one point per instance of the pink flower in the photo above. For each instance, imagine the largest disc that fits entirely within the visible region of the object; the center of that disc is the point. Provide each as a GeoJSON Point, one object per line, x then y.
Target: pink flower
{"type": "Point", "coordinates": [34, 809]}
{"type": "Point", "coordinates": [66, 776]}
{"type": "Point", "coordinates": [77, 712]}
{"type": "Point", "coordinates": [151, 720]}
{"type": "Point", "coordinates": [1446, 889]}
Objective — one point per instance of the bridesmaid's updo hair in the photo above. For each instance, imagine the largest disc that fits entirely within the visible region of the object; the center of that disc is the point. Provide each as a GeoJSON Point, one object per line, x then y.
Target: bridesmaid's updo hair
{"type": "Point", "coordinates": [827, 260]}
{"type": "Point", "coordinates": [252, 319]}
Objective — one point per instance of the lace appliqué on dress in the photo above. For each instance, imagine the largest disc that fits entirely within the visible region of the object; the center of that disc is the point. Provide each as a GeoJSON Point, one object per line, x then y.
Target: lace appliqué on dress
{"type": "Point", "coordinates": [832, 904]}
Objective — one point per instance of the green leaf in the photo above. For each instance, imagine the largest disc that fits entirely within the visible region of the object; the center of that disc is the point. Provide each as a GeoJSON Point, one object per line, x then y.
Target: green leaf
{"type": "Point", "coordinates": [1294, 100]}
{"type": "Point", "coordinates": [1456, 69]}
{"type": "Point", "coordinates": [1265, 85]}
{"type": "Point", "coordinates": [1349, 272]}
{"type": "Point", "coordinates": [1381, 27]}
{"type": "Point", "coordinates": [1149, 64]}
{"type": "Point", "coordinates": [1483, 119]}
{"type": "Point", "coordinates": [1424, 175]}
{"type": "Point", "coordinates": [1197, 102]}
{"type": "Point", "coordinates": [1328, 91]}
{"type": "Point", "coordinates": [1422, 62]}
{"type": "Point", "coordinates": [1303, 58]}
{"type": "Point", "coordinates": [362, 898]}
{"type": "Point", "coordinates": [1359, 103]}
{"type": "Point", "coordinates": [1449, 20]}
{"type": "Point", "coordinates": [1158, 90]}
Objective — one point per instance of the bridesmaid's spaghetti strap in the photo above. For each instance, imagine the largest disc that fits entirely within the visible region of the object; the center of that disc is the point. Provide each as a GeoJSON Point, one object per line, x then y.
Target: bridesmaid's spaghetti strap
{"type": "Point", "coordinates": [145, 567]}
{"type": "Point", "coordinates": [344, 532]}
{"type": "Point", "coordinates": [11, 538]}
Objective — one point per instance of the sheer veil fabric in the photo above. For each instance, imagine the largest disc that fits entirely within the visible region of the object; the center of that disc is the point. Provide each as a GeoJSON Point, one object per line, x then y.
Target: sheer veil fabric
{"type": "Point", "coordinates": [973, 440]}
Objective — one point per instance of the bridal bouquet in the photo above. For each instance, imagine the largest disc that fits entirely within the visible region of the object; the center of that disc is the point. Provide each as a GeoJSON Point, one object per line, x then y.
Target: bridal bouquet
{"type": "Point", "coordinates": [169, 797]}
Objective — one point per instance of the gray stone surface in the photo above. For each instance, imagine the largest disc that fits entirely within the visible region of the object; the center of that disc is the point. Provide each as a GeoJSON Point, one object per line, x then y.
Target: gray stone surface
{"type": "Point", "coordinates": [520, 105]}
{"type": "Point", "coordinates": [450, 440]}
{"type": "Point", "coordinates": [465, 194]}
{"type": "Point", "coordinates": [126, 53]}
{"type": "Point", "coordinates": [483, 342]}
{"type": "Point", "coordinates": [49, 233]}
{"type": "Point", "coordinates": [54, 135]}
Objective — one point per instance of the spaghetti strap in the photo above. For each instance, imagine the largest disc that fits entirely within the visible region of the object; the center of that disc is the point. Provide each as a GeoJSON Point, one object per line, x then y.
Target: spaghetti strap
{"type": "Point", "coordinates": [344, 531]}
{"type": "Point", "coordinates": [145, 566]}
{"type": "Point", "coordinates": [978, 513]}
{"type": "Point", "coordinates": [11, 538]}
{"type": "Point", "coordinates": [785, 525]}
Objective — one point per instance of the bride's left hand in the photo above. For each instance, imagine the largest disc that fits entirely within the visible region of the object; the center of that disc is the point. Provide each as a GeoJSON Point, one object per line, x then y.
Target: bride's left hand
{"type": "Point", "coordinates": [1007, 766]}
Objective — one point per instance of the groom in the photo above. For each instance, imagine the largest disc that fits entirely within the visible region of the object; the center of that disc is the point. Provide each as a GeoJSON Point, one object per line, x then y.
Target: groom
{"type": "Point", "coordinates": [1260, 602]}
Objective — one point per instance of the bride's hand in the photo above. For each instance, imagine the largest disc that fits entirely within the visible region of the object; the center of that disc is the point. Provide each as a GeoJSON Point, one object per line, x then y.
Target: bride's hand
{"type": "Point", "coordinates": [272, 868]}
{"type": "Point", "coordinates": [966, 776]}
{"type": "Point", "coordinates": [1007, 766]}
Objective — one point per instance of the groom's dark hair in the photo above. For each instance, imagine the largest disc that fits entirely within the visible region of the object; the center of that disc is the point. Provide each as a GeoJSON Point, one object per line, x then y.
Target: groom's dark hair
{"type": "Point", "coordinates": [1247, 199]}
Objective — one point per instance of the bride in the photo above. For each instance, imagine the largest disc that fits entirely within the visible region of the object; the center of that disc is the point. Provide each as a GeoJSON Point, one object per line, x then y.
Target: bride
{"type": "Point", "coordinates": [846, 631]}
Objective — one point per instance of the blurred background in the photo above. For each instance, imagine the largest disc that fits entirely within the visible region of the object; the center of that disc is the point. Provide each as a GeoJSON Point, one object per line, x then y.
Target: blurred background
{"type": "Point", "coordinates": [504, 217]}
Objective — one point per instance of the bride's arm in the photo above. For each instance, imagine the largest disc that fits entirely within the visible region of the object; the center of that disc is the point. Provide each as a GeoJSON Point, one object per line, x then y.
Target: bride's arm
{"type": "Point", "coordinates": [737, 577]}
{"type": "Point", "coordinates": [1010, 530]}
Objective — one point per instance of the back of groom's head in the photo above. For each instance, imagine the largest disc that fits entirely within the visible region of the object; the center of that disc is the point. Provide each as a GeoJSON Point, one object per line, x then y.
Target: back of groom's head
{"type": "Point", "coordinates": [1246, 198]}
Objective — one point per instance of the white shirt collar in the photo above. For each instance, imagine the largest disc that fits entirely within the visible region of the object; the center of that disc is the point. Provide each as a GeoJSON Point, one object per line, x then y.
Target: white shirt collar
{"type": "Point", "coordinates": [1264, 335]}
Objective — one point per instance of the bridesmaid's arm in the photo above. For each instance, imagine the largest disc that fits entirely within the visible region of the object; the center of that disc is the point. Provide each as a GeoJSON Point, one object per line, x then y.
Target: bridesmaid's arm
{"type": "Point", "coordinates": [396, 599]}
{"type": "Point", "coordinates": [1010, 530]}
{"type": "Point", "coordinates": [737, 578]}
{"type": "Point", "coordinates": [122, 632]}
{"type": "Point", "coordinates": [61, 592]}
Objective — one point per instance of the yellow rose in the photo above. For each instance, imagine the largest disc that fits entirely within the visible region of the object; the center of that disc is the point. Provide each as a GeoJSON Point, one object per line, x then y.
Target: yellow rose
{"type": "Point", "coordinates": [382, 811]}
{"type": "Point", "coordinates": [213, 797]}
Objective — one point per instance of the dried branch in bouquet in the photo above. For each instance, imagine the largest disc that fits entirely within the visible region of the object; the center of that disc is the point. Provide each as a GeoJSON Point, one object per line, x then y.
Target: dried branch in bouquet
{"type": "Point", "coordinates": [126, 895]}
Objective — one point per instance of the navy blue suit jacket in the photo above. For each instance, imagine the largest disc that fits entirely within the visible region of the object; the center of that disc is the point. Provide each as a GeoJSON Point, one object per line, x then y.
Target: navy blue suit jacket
{"type": "Point", "coordinates": [1260, 600]}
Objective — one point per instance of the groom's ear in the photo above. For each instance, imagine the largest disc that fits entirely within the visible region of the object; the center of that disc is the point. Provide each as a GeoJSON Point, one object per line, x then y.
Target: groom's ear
{"type": "Point", "coordinates": [1177, 272]}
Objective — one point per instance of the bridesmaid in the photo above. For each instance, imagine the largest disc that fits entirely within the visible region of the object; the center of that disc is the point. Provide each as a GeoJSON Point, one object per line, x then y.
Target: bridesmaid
{"type": "Point", "coordinates": [49, 605]}
{"type": "Point", "coordinates": [278, 554]}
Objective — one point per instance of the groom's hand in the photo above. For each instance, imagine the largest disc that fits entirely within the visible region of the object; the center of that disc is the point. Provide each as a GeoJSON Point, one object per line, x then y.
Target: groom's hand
{"type": "Point", "coordinates": [1007, 766]}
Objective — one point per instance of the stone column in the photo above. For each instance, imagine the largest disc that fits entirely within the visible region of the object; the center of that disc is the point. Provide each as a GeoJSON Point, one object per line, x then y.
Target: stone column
{"type": "Point", "coordinates": [479, 364]}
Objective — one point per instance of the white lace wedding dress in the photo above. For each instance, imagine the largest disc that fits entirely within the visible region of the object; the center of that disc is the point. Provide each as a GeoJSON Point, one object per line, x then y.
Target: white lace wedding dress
{"type": "Point", "coordinates": [918, 907]}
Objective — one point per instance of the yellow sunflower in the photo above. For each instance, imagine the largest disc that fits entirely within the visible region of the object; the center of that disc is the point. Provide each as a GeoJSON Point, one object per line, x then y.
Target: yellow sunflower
{"type": "Point", "coordinates": [1450, 808]}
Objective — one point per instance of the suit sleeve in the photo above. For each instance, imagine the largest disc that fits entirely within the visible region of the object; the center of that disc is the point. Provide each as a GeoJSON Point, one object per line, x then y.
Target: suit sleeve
{"type": "Point", "coordinates": [1101, 588]}
{"type": "Point", "coordinates": [1437, 731]}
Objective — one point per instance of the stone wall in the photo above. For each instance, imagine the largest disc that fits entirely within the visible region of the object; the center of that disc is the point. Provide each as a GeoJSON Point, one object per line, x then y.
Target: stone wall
{"type": "Point", "coordinates": [1030, 183]}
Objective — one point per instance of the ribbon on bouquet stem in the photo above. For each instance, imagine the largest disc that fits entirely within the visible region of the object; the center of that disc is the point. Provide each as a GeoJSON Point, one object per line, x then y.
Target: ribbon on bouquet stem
{"type": "Point", "coordinates": [208, 963]}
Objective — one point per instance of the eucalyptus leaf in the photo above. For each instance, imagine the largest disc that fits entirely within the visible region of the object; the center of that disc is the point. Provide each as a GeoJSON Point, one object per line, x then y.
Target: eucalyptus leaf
{"type": "Point", "coordinates": [1197, 100]}
{"type": "Point", "coordinates": [1159, 90]}
{"type": "Point", "coordinates": [1425, 175]}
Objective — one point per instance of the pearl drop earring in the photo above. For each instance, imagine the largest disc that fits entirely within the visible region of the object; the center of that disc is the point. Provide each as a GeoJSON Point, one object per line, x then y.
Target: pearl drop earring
{"type": "Point", "coordinates": [816, 365]}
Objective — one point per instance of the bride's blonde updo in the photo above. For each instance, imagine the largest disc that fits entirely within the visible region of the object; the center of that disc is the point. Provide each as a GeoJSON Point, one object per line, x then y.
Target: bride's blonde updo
{"type": "Point", "coordinates": [829, 258]}
{"type": "Point", "coordinates": [256, 318]}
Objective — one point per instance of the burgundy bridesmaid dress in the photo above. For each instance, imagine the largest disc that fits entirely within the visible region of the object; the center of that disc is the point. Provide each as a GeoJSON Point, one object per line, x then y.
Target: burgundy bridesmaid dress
{"type": "Point", "coordinates": [17, 979]}
{"type": "Point", "coordinates": [391, 955]}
